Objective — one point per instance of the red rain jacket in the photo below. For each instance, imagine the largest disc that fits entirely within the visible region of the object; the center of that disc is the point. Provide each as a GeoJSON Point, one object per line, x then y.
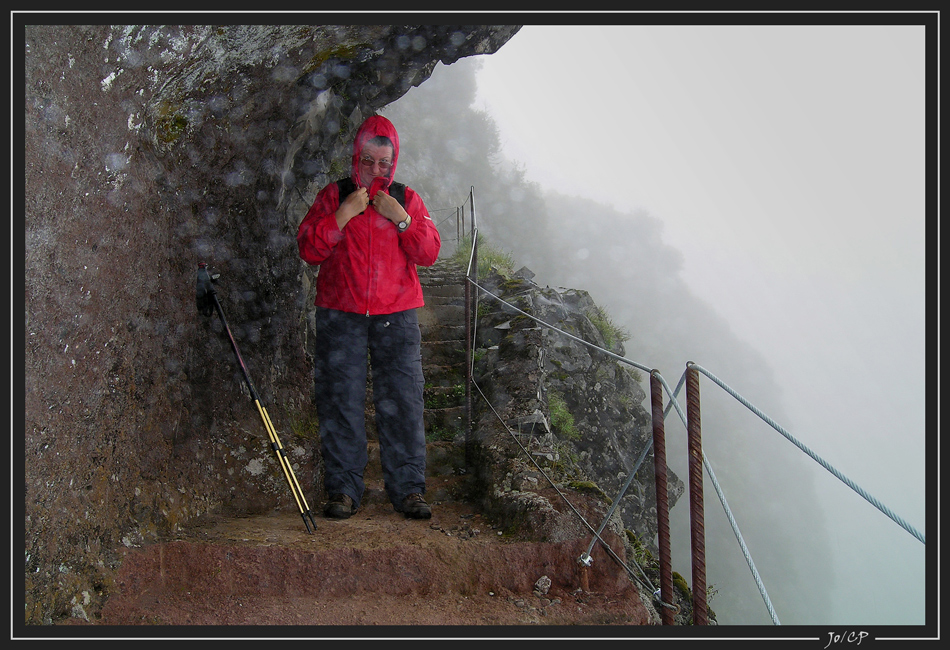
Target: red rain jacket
{"type": "Point", "coordinates": [369, 267]}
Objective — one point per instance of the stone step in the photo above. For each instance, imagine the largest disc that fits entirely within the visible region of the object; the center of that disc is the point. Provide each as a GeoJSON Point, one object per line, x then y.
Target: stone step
{"type": "Point", "coordinates": [444, 458]}
{"type": "Point", "coordinates": [442, 324]}
{"type": "Point", "coordinates": [443, 395]}
{"type": "Point", "coordinates": [445, 473]}
{"type": "Point", "coordinates": [444, 376]}
{"type": "Point", "coordinates": [447, 290]}
{"type": "Point", "coordinates": [443, 353]}
{"type": "Point", "coordinates": [442, 276]}
{"type": "Point", "coordinates": [435, 332]}
{"type": "Point", "coordinates": [446, 422]}
{"type": "Point", "coordinates": [443, 272]}
{"type": "Point", "coordinates": [441, 302]}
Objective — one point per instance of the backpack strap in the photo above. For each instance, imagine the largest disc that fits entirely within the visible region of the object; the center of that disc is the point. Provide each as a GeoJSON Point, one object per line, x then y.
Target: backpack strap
{"type": "Point", "coordinates": [346, 186]}
{"type": "Point", "coordinates": [398, 192]}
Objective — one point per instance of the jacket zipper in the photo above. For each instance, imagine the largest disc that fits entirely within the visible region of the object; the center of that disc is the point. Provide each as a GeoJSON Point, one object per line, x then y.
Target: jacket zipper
{"type": "Point", "coordinates": [369, 266]}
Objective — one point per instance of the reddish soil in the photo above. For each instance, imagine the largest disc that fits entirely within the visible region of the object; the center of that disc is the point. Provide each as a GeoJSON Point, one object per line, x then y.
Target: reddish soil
{"type": "Point", "coordinates": [375, 569]}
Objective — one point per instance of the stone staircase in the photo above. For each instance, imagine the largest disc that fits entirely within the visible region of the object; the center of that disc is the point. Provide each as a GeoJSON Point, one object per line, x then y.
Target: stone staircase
{"type": "Point", "coordinates": [442, 322]}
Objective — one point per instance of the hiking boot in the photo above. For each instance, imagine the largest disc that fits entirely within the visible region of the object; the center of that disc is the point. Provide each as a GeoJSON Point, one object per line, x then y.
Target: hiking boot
{"type": "Point", "coordinates": [339, 506]}
{"type": "Point", "coordinates": [415, 507]}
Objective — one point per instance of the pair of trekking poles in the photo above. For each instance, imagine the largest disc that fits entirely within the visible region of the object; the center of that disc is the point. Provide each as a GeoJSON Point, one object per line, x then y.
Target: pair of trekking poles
{"type": "Point", "coordinates": [208, 303]}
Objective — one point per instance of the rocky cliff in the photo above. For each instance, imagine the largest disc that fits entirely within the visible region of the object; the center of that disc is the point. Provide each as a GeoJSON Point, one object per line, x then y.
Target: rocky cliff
{"type": "Point", "coordinates": [147, 150]}
{"type": "Point", "coordinates": [575, 412]}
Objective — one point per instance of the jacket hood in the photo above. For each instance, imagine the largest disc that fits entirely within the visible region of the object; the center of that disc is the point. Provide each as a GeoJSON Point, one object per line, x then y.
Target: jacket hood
{"type": "Point", "coordinates": [374, 125]}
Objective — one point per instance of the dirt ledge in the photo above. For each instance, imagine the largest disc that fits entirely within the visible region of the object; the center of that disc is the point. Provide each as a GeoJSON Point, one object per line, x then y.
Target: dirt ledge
{"type": "Point", "coordinates": [375, 574]}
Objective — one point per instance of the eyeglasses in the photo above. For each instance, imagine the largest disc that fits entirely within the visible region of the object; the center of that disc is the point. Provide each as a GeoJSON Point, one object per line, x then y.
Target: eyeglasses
{"type": "Point", "coordinates": [368, 162]}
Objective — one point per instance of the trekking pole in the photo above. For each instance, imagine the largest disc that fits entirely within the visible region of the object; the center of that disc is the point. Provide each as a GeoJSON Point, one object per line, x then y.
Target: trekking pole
{"type": "Point", "coordinates": [207, 301]}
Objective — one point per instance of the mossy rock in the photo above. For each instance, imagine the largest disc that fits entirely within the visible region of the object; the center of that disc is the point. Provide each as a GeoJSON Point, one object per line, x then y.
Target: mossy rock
{"type": "Point", "coordinates": [589, 487]}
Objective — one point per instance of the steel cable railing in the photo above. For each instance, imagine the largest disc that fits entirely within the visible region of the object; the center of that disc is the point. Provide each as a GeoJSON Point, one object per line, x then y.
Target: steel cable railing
{"type": "Point", "coordinates": [471, 305]}
{"type": "Point", "coordinates": [821, 461]}
{"type": "Point", "coordinates": [644, 580]}
{"type": "Point", "coordinates": [722, 499]}
{"type": "Point", "coordinates": [471, 280]}
{"type": "Point", "coordinates": [585, 558]}
{"type": "Point", "coordinates": [471, 276]}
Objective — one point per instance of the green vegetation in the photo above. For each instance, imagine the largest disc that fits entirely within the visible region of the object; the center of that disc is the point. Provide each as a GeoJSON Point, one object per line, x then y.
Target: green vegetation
{"type": "Point", "coordinates": [463, 251]}
{"type": "Point", "coordinates": [711, 592]}
{"type": "Point", "coordinates": [344, 52]}
{"type": "Point", "coordinates": [338, 169]}
{"type": "Point", "coordinates": [482, 309]}
{"type": "Point", "coordinates": [635, 374]}
{"type": "Point", "coordinates": [590, 487]}
{"type": "Point", "coordinates": [488, 257]}
{"type": "Point", "coordinates": [441, 434]}
{"type": "Point", "coordinates": [439, 399]}
{"type": "Point", "coordinates": [561, 417]}
{"type": "Point", "coordinates": [613, 334]}
{"type": "Point", "coordinates": [565, 464]}
{"type": "Point", "coordinates": [641, 554]}
{"type": "Point", "coordinates": [680, 583]}
{"type": "Point", "coordinates": [171, 124]}
{"type": "Point", "coordinates": [478, 356]}
{"type": "Point", "coordinates": [304, 424]}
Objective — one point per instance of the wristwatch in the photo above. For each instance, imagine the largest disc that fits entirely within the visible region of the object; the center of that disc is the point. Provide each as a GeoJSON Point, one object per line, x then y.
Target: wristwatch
{"type": "Point", "coordinates": [404, 224]}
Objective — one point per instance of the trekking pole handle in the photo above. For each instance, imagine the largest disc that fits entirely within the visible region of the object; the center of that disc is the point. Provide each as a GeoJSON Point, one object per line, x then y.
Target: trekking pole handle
{"type": "Point", "coordinates": [207, 299]}
{"type": "Point", "coordinates": [205, 293]}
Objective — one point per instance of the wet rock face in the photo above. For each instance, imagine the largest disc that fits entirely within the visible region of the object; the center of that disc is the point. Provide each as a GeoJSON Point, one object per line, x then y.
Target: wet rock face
{"type": "Point", "coordinates": [577, 411]}
{"type": "Point", "coordinates": [148, 150]}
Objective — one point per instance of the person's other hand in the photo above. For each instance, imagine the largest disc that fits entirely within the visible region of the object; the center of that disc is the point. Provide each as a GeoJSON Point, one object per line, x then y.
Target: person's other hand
{"type": "Point", "coordinates": [354, 204]}
{"type": "Point", "coordinates": [389, 207]}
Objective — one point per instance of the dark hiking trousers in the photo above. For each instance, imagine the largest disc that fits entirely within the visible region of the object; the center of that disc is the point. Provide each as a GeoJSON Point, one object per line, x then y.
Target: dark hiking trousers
{"type": "Point", "coordinates": [340, 367]}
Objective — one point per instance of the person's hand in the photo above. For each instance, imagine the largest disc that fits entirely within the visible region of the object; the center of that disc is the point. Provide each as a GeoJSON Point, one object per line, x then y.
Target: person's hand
{"type": "Point", "coordinates": [389, 207]}
{"type": "Point", "coordinates": [354, 204]}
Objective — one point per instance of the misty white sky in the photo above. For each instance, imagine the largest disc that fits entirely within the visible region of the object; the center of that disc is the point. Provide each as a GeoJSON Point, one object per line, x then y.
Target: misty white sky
{"type": "Point", "coordinates": [787, 164]}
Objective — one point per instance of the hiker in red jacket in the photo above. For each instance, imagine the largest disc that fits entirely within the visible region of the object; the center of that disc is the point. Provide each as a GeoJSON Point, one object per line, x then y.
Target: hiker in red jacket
{"type": "Point", "coordinates": [368, 234]}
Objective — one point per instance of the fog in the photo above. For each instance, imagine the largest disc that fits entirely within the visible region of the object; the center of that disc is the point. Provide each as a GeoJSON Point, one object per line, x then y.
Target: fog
{"type": "Point", "coordinates": [751, 199]}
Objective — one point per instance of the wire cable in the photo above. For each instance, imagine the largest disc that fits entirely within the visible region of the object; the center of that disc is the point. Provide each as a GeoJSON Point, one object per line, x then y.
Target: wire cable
{"type": "Point", "coordinates": [821, 461]}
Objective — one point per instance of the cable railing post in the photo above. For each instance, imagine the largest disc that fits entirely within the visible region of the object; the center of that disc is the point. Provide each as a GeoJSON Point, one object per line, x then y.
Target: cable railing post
{"type": "Point", "coordinates": [662, 499]}
{"type": "Point", "coordinates": [470, 314]}
{"type": "Point", "coordinates": [697, 530]}
{"type": "Point", "coordinates": [471, 199]}
{"type": "Point", "coordinates": [469, 461]}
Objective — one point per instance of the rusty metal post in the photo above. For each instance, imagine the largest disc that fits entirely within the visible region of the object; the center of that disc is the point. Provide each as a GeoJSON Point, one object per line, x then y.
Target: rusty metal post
{"type": "Point", "coordinates": [470, 274]}
{"type": "Point", "coordinates": [469, 460]}
{"type": "Point", "coordinates": [697, 522]}
{"type": "Point", "coordinates": [662, 499]}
